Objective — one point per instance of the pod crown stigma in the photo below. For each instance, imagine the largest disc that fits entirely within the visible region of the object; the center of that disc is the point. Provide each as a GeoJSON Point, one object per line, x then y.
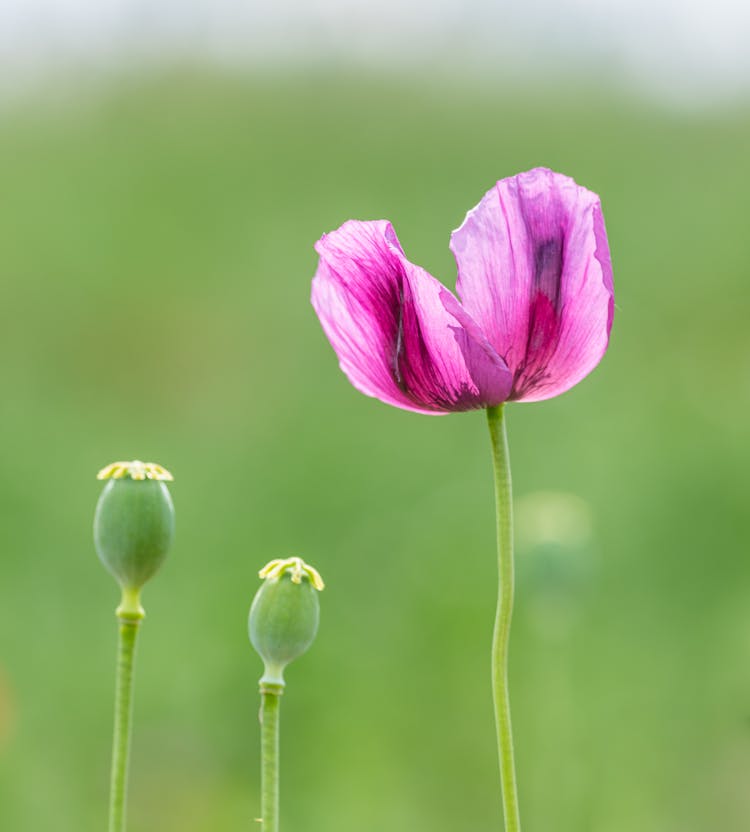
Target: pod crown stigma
{"type": "Point", "coordinates": [296, 567]}
{"type": "Point", "coordinates": [136, 470]}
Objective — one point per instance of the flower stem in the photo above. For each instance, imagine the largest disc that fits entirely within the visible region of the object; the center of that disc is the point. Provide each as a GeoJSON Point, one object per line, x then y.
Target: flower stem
{"type": "Point", "coordinates": [123, 716]}
{"type": "Point", "coordinates": [269, 756]}
{"type": "Point", "coordinates": [501, 636]}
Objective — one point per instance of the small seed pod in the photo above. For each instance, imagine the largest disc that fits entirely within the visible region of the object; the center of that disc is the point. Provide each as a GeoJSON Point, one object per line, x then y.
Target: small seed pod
{"type": "Point", "coordinates": [284, 615]}
{"type": "Point", "coordinates": [134, 522]}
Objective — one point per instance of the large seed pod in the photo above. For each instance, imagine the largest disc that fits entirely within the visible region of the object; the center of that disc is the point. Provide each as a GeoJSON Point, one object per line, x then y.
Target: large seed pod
{"type": "Point", "coordinates": [134, 525]}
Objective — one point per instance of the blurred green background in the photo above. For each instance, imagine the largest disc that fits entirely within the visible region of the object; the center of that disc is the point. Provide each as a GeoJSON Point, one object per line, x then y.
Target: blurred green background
{"type": "Point", "coordinates": [155, 256]}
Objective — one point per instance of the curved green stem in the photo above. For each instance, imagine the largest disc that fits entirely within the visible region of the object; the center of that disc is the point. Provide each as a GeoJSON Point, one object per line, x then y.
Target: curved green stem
{"type": "Point", "coordinates": [501, 637]}
{"type": "Point", "coordinates": [269, 756]}
{"type": "Point", "coordinates": [123, 716]}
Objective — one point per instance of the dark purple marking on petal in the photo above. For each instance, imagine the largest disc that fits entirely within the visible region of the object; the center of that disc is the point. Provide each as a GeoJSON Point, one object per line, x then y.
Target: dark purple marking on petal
{"type": "Point", "coordinates": [544, 315]}
{"type": "Point", "coordinates": [548, 260]}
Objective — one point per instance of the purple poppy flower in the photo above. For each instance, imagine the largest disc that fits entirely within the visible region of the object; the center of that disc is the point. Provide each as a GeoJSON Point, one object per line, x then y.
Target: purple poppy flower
{"type": "Point", "coordinates": [535, 282]}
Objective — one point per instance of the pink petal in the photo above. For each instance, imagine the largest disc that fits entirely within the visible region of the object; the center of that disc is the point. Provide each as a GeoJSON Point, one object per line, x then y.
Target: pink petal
{"type": "Point", "coordinates": [534, 272]}
{"type": "Point", "coordinates": [395, 328]}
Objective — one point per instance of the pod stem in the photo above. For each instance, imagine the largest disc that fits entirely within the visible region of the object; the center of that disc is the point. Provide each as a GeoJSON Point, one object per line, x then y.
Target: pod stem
{"type": "Point", "coordinates": [129, 616]}
{"type": "Point", "coordinates": [269, 756]}
{"type": "Point", "coordinates": [501, 635]}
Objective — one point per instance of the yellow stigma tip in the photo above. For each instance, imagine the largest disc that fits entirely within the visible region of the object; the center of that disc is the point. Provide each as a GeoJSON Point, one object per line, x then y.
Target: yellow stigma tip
{"type": "Point", "coordinates": [297, 567]}
{"type": "Point", "coordinates": [136, 470]}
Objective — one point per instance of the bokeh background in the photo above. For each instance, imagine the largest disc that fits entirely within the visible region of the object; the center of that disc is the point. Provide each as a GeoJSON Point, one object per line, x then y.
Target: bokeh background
{"type": "Point", "coordinates": [164, 172]}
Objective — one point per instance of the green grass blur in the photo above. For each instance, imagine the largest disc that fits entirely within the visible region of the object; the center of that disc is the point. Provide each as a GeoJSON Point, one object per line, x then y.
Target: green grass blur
{"type": "Point", "coordinates": [155, 260]}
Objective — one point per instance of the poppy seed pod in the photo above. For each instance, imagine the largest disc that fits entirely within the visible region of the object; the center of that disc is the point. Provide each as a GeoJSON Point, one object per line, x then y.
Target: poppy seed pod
{"type": "Point", "coordinates": [134, 521]}
{"type": "Point", "coordinates": [284, 615]}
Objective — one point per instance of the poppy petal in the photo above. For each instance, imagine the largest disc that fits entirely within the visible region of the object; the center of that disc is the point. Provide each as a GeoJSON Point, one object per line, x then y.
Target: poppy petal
{"type": "Point", "coordinates": [534, 272]}
{"type": "Point", "coordinates": [399, 334]}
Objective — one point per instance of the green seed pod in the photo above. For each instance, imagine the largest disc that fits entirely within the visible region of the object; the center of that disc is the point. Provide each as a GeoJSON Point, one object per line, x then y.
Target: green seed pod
{"type": "Point", "coordinates": [284, 615]}
{"type": "Point", "coordinates": [134, 522]}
